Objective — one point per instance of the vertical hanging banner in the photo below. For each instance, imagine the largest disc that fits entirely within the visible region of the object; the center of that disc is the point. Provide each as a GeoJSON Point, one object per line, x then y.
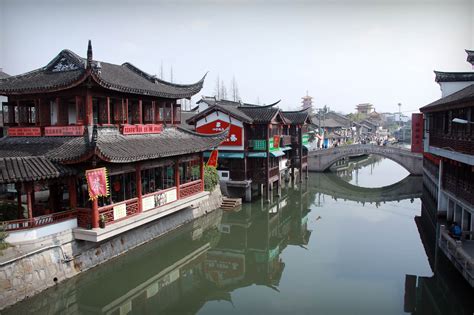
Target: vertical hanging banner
{"type": "Point", "coordinates": [97, 183]}
{"type": "Point", "coordinates": [213, 159]}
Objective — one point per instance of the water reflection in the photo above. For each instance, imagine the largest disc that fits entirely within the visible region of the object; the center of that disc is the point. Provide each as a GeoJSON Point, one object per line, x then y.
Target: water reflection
{"type": "Point", "coordinates": [446, 292]}
{"type": "Point", "coordinates": [315, 249]}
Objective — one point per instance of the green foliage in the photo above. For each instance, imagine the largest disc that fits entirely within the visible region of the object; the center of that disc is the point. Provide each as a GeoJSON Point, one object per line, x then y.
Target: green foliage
{"type": "Point", "coordinates": [8, 211]}
{"type": "Point", "coordinates": [3, 236]}
{"type": "Point", "coordinates": [211, 178]}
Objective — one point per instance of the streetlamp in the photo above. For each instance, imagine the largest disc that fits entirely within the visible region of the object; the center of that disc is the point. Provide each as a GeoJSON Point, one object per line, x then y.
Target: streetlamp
{"type": "Point", "coordinates": [462, 121]}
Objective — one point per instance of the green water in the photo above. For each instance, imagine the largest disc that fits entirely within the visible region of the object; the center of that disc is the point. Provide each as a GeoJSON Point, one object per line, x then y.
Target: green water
{"type": "Point", "coordinates": [324, 247]}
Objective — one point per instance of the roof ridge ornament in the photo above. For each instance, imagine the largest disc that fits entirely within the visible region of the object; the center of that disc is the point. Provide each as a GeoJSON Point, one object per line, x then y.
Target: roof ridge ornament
{"type": "Point", "coordinates": [89, 54]}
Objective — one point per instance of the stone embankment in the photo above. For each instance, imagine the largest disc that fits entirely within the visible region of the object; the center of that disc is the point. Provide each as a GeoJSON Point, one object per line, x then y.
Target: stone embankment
{"type": "Point", "coordinates": [28, 269]}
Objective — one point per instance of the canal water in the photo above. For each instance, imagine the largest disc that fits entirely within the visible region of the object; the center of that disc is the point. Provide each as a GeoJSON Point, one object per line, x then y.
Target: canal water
{"type": "Point", "coordinates": [326, 246]}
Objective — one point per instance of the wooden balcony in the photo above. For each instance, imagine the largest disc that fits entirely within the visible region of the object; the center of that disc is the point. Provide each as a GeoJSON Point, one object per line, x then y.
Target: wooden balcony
{"type": "Point", "coordinates": [460, 188]}
{"type": "Point", "coordinates": [462, 143]}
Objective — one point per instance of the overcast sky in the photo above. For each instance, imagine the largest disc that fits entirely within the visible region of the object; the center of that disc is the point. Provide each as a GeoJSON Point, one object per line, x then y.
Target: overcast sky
{"type": "Point", "coordinates": [341, 52]}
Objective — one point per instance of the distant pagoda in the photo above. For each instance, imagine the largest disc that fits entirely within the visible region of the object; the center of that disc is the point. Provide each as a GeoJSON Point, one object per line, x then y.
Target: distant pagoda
{"type": "Point", "coordinates": [307, 102]}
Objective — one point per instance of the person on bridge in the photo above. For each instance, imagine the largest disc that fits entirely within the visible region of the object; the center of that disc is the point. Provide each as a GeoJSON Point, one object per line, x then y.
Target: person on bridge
{"type": "Point", "coordinates": [455, 231]}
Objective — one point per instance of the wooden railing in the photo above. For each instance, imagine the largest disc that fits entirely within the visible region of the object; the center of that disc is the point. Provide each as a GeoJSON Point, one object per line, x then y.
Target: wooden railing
{"type": "Point", "coordinates": [131, 207]}
{"type": "Point", "coordinates": [43, 220]}
{"type": "Point", "coordinates": [463, 144]}
{"type": "Point", "coordinates": [190, 188]}
{"type": "Point", "coordinates": [431, 168]}
{"type": "Point", "coordinates": [459, 187]}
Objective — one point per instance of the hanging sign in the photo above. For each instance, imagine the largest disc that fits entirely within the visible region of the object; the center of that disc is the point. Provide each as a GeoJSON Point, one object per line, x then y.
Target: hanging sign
{"type": "Point", "coordinates": [24, 132]}
{"type": "Point", "coordinates": [97, 183]}
{"type": "Point", "coordinates": [274, 143]}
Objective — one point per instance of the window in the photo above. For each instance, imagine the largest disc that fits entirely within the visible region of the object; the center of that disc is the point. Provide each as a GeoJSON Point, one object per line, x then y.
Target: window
{"type": "Point", "coordinates": [123, 187]}
{"type": "Point", "coordinates": [189, 171]}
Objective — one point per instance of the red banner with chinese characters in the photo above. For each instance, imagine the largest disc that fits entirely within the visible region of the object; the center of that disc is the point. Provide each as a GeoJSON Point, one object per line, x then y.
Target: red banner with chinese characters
{"type": "Point", "coordinates": [213, 159]}
{"type": "Point", "coordinates": [97, 183]}
{"type": "Point", "coordinates": [234, 138]}
{"type": "Point", "coordinates": [417, 132]}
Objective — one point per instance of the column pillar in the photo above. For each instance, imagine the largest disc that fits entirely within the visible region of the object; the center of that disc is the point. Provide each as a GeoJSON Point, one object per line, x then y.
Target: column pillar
{"type": "Point", "coordinates": [172, 113]}
{"type": "Point", "coordinates": [138, 178]}
{"type": "Point", "coordinates": [89, 113]}
{"type": "Point", "coordinates": [18, 199]}
{"type": "Point", "coordinates": [126, 111]}
{"type": "Point", "coordinates": [202, 171]}
{"type": "Point", "coordinates": [108, 110]}
{"type": "Point", "coordinates": [300, 148]}
{"type": "Point", "coordinates": [176, 177]}
{"type": "Point", "coordinates": [140, 111]}
{"type": "Point", "coordinates": [72, 192]}
{"type": "Point", "coordinates": [440, 182]}
{"type": "Point", "coordinates": [95, 214]}
{"type": "Point", "coordinates": [29, 199]}
{"type": "Point", "coordinates": [153, 105]}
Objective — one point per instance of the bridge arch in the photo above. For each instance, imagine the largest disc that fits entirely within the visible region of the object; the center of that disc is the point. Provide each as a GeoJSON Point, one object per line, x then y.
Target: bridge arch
{"type": "Point", "coordinates": [331, 184]}
{"type": "Point", "coordinates": [321, 160]}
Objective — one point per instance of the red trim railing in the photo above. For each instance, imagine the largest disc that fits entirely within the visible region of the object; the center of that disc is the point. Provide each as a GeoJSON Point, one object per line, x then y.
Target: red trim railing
{"type": "Point", "coordinates": [131, 208]}
{"type": "Point", "coordinates": [40, 221]}
{"type": "Point", "coordinates": [190, 188]}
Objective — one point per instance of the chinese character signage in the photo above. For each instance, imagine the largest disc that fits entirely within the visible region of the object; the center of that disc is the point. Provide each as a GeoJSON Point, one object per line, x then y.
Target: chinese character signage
{"type": "Point", "coordinates": [417, 133]}
{"type": "Point", "coordinates": [234, 138]}
{"type": "Point", "coordinates": [64, 131]}
{"type": "Point", "coordinates": [274, 143]}
{"type": "Point", "coordinates": [24, 132]}
{"type": "Point", "coordinates": [97, 183]}
{"type": "Point", "coordinates": [142, 129]}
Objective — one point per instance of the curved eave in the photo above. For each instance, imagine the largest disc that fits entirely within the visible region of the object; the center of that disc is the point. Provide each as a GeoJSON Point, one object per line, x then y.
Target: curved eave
{"type": "Point", "coordinates": [215, 108]}
{"type": "Point", "coordinates": [248, 105]}
{"type": "Point", "coordinates": [217, 139]}
{"type": "Point", "coordinates": [193, 88]}
{"type": "Point", "coordinates": [44, 89]}
{"type": "Point", "coordinates": [453, 76]}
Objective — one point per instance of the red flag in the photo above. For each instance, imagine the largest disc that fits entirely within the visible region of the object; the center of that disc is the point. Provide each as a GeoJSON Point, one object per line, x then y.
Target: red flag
{"type": "Point", "coordinates": [212, 159]}
{"type": "Point", "coordinates": [97, 182]}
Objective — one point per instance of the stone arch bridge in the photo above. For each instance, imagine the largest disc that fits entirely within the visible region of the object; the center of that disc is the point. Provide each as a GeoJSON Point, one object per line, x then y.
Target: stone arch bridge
{"type": "Point", "coordinates": [321, 160]}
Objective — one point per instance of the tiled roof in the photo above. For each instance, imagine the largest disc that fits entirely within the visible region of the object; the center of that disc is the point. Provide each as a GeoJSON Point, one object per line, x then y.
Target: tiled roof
{"type": "Point", "coordinates": [57, 149]}
{"type": "Point", "coordinates": [68, 69]}
{"type": "Point", "coordinates": [249, 113]}
{"type": "Point", "coordinates": [22, 169]}
{"type": "Point", "coordinates": [259, 114]}
{"type": "Point", "coordinates": [3, 75]}
{"type": "Point", "coordinates": [185, 115]}
{"type": "Point", "coordinates": [464, 95]}
{"type": "Point", "coordinates": [454, 76]}
{"type": "Point", "coordinates": [112, 146]}
{"type": "Point", "coordinates": [295, 117]}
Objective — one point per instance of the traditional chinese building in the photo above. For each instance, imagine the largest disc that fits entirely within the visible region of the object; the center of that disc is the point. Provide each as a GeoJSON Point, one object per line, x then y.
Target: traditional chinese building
{"type": "Point", "coordinates": [449, 168]}
{"type": "Point", "coordinates": [77, 114]}
{"type": "Point", "coordinates": [261, 143]}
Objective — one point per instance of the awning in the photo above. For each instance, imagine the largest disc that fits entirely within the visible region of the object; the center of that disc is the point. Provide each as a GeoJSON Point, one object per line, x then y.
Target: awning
{"type": "Point", "coordinates": [277, 153]}
{"type": "Point", "coordinates": [285, 148]}
{"type": "Point", "coordinates": [226, 155]}
{"type": "Point", "coordinates": [257, 154]}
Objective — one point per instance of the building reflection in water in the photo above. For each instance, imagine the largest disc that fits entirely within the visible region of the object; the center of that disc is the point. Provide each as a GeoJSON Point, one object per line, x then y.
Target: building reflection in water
{"type": "Point", "coordinates": [446, 292]}
{"type": "Point", "coordinates": [202, 261]}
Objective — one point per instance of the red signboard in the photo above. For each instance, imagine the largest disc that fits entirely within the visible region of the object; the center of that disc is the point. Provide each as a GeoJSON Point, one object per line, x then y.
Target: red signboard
{"type": "Point", "coordinates": [24, 132]}
{"type": "Point", "coordinates": [417, 133]}
{"type": "Point", "coordinates": [142, 129]}
{"type": "Point", "coordinates": [234, 138]}
{"type": "Point", "coordinates": [58, 131]}
{"type": "Point", "coordinates": [97, 182]}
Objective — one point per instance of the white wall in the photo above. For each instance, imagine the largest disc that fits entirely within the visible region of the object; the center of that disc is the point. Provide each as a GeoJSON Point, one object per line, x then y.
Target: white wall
{"type": "Point", "coordinates": [224, 117]}
{"type": "Point", "coordinates": [448, 88]}
{"type": "Point", "coordinates": [35, 233]}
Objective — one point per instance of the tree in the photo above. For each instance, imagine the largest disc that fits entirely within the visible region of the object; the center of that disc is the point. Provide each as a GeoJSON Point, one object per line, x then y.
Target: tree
{"type": "Point", "coordinates": [161, 70]}
{"type": "Point", "coordinates": [223, 91]}
{"type": "Point", "coordinates": [217, 88]}
{"type": "Point", "coordinates": [234, 89]}
{"type": "Point", "coordinates": [171, 74]}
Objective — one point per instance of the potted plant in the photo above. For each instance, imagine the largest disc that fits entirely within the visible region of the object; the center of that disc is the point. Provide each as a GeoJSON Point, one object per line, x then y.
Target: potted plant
{"type": "Point", "coordinates": [102, 220]}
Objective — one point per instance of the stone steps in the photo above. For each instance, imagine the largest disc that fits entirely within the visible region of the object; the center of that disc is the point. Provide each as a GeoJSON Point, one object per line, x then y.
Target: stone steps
{"type": "Point", "coordinates": [230, 203]}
